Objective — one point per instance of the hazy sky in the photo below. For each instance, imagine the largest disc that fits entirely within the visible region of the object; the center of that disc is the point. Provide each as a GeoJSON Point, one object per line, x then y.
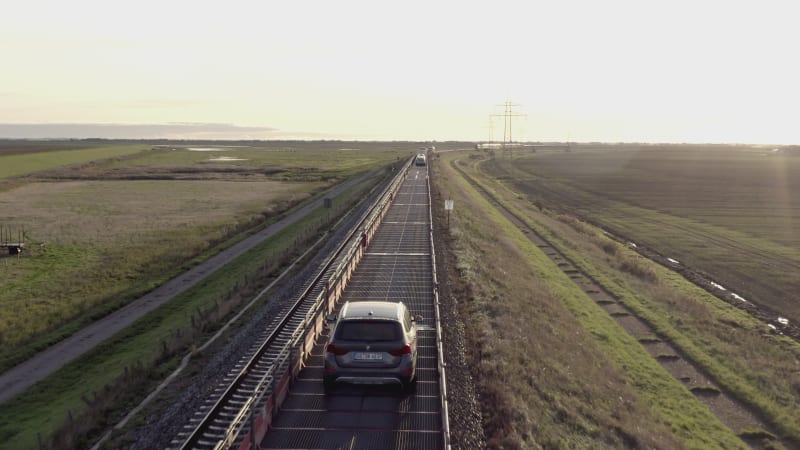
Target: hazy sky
{"type": "Point", "coordinates": [666, 71]}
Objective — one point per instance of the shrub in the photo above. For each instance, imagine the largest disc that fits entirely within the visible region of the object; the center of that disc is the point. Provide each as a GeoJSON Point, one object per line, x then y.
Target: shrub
{"type": "Point", "coordinates": [638, 269]}
{"type": "Point", "coordinates": [610, 248]}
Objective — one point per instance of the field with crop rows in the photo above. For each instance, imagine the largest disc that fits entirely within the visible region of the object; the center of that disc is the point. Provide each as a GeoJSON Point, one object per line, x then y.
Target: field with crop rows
{"type": "Point", "coordinates": [754, 365]}
{"type": "Point", "coordinates": [733, 212]}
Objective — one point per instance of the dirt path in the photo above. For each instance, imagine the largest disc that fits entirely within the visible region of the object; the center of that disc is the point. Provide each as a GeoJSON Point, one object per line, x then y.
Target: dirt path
{"type": "Point", "coordinates": [24, 375]}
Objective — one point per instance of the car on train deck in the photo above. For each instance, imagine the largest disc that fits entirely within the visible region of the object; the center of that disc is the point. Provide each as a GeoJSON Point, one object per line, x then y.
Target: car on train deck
{"type": "Point", "coordinates": [372, 342]}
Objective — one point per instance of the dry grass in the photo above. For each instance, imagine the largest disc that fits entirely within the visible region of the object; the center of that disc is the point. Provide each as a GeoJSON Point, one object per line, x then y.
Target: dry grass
{"type": "Point", "coordinates": [638, 268]}
{"type": "Point", "coordinates": [730, 211]}
{"type": "Point", "coordinates": [103, 212]}
{"type": "Point", "coordinates": [96, 387]}
{"type": "Point", "coordinates": [544, 383]}
{"type": "Point", "coordinates": [735, 349]}
{"type": "Point", "coordinates": [101, 237]}
{"type": "Point", "coordinates": [114, 221]}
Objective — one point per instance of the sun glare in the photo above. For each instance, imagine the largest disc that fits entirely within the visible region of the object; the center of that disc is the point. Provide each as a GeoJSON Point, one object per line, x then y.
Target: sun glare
{"type": "Point", "coordinates": [683, 71]}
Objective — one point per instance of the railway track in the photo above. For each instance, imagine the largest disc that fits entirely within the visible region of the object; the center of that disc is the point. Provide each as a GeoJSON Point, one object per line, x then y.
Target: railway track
{"type": "Point", "coordinates": [256, 404]}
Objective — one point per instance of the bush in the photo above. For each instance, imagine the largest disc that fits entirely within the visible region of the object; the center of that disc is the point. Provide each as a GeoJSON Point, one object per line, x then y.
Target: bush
{"type": "Point", "coordinates": [610, 248]}
{"type": "Point", "coordinates": [639, 269]}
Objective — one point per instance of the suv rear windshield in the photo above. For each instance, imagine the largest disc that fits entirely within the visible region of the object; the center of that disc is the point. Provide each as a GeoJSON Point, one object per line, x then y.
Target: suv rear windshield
{"type": "Point", "coordinates": [369, 330]}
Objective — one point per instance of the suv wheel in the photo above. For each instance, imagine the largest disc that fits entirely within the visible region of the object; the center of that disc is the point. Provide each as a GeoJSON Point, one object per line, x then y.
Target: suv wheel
{"type": "Point", "coordinates": [410, 387]}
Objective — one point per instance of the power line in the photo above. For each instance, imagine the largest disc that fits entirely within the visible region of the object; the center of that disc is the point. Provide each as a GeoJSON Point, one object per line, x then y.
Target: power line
{"type": "Point", "coordinates": [507, 115]}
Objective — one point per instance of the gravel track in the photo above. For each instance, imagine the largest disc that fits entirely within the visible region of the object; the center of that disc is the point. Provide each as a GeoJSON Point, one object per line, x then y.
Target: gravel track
{"type": "Point", "coordinates": [189, 393]}
{"type": "Point", "coordinates": [466, 429]}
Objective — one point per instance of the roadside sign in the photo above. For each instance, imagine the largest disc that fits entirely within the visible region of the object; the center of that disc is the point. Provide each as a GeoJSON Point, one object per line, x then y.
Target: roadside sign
{"type": "Point", "coordinates": [448, 206]}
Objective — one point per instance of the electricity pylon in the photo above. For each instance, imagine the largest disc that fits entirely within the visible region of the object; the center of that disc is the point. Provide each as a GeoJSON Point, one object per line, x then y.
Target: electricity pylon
{"type": "Point", "coordinates": [507, 116]}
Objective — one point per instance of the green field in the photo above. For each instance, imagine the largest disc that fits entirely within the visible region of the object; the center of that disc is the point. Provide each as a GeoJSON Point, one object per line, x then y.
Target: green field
{"type": "Point", "coordinates": [102, 239]}
{"type": "Point", "coordinates": [288, 159]}
{"type": "Point", "coordinates": [734, 349]}
{"type": "Point", "coordinates": [733, 212]}
{"type": "Point", "coordinates": [14, 163]}
{"type": "Point", "coordinates": [101, 385]}
{"type": "Point", "coordinates": [101, 231]}
{"type": "Point", "coordinates": [553, 370]}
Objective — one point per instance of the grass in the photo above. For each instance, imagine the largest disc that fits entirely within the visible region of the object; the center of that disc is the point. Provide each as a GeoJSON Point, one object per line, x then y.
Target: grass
{"type": "Point", "coordinates": [733, 348]}
{"type": "Point", "coordinates": [16, 164]}
{"type": "Point", "coordinates": [107, 239]}
{"type": "Point", "coordinates": [113, 228]}
{"type": "Point", "coordinates": [150, 347]}
{"type": "Point", "coordinates": [730, 211]}
{"type": "Point", "coordinates": [582, 381]}
{"type": "Point", "coordinates": [293, 161]}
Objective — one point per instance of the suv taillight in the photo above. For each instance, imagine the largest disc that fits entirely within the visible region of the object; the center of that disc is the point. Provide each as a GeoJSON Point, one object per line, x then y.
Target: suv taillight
{"type": "Point", "coordinates": [404, 350]}
{"type": "Point", "coordinates": [335, 350]}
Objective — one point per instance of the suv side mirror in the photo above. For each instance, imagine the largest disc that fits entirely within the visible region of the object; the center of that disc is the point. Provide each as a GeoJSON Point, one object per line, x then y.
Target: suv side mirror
{"type": "Point", "coordinates": [330, 319]}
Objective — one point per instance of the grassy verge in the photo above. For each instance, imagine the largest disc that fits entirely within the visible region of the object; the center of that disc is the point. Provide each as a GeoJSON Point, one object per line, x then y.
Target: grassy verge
{"type": "Point", "coordinates": [91, 393]}
{"type": "Point", "coordinates": [553, 369]}
{"type": "Point", "coordinates": [734, 349]}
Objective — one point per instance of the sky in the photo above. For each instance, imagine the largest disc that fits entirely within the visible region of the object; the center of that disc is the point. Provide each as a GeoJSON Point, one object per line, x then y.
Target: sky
{"type": "Point", "coordinates": [612, 70]}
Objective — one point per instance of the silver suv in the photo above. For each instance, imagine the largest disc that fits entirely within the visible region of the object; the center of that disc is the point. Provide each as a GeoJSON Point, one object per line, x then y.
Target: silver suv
{"type": "Point", "coordinates": [372, 342]}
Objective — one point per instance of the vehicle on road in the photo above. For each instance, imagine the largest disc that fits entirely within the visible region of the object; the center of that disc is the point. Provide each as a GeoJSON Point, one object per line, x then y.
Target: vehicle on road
{"type": "Point", "coordinates": [420, 161]}
{"type": "Point", "coordinates": [372, 342]}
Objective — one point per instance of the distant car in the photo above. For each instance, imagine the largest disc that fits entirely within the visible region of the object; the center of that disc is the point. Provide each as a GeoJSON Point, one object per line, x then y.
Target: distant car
{"type": "Point", "coordinates": [420, 161]}
{"type": "Point", "coordinates": [372, 342]}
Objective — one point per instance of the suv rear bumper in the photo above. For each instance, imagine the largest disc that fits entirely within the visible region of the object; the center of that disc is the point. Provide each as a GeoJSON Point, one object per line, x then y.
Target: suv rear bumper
{"type": "Point", "coordinates": [400, 374]}
{"type": "Point", "coordinates": [368, 380]}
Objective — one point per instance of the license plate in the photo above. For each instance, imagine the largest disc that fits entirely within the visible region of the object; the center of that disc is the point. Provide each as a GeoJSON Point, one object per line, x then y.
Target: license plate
{"type": "Point", "coordinates": [367, 356]}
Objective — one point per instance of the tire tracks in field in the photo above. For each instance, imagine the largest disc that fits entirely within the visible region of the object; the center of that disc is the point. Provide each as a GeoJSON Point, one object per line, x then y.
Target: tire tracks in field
{"type": "Point", "coordinates": [729, 410]}
{"type": "Point", "coordinates": [778, 261]}
{"type": "Point", "coordinates": [768, 311]}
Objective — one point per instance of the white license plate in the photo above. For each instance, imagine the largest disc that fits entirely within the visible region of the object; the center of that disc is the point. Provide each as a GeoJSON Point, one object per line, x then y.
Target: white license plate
{"type": "Point", "coordinates": [367, 356]}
